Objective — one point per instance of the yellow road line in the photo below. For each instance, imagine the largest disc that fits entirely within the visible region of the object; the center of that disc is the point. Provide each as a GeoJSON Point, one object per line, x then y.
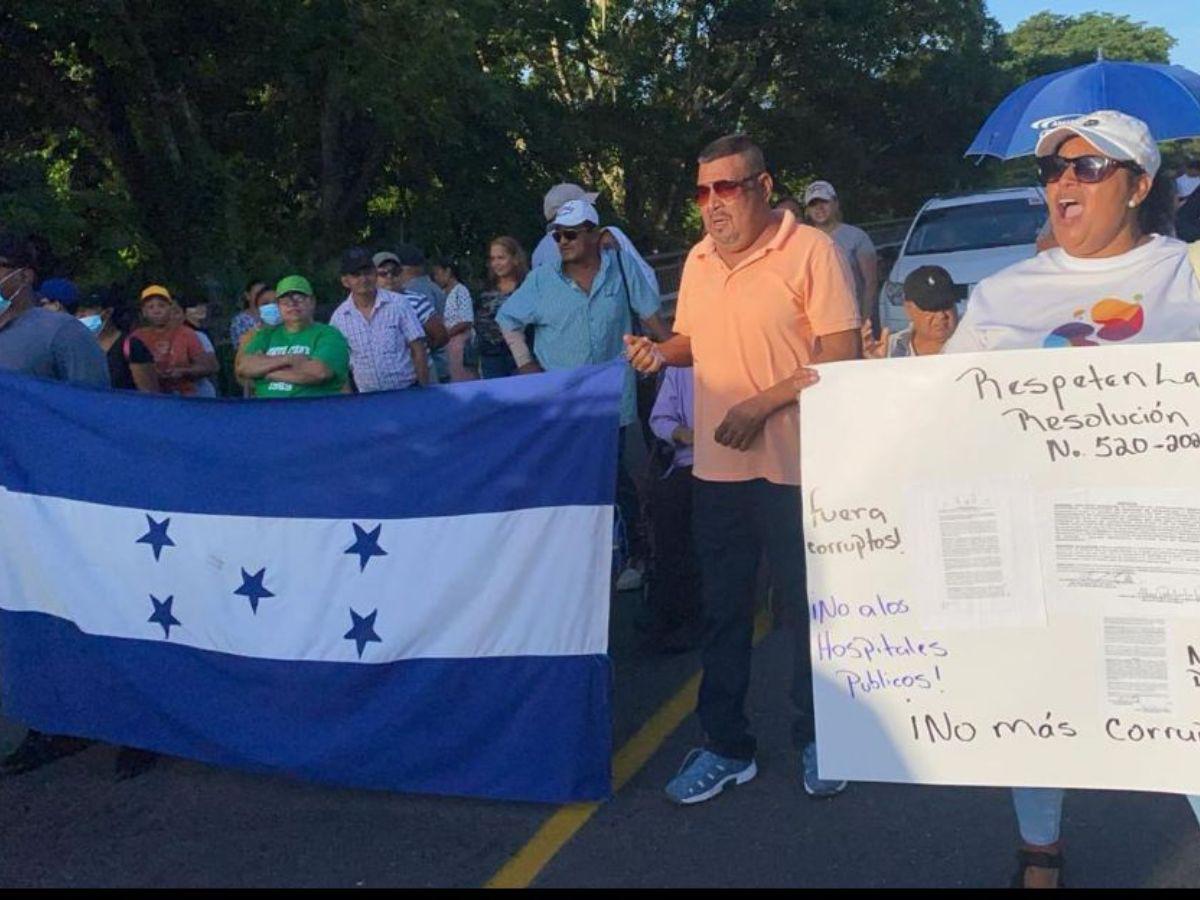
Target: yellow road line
{"type": "Point", "coordinates": [528, 862]}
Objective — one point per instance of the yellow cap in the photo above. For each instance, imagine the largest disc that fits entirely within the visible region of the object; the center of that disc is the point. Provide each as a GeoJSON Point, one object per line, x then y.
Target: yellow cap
{"type": "Point", "coordinates": [154, 290]}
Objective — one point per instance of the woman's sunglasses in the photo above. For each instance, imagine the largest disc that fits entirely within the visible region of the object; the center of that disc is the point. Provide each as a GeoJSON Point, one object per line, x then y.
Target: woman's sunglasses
{"type": "Point", "coordinates": [725, 190]}
{"type": "Point", "coordinates": [1088, 169]}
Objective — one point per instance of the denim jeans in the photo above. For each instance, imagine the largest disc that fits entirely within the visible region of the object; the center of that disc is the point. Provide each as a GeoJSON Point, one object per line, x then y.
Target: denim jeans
{"type": "Point", "coordinates": [1039, 813]}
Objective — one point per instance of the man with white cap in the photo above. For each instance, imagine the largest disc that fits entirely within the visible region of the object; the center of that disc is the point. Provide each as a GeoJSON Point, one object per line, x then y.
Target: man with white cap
{"type": "Point", "coordinates": [547, 251]}
{"type": "Point", "coordinates": [824, 211]}
{"type": "Point", "coordinates": [581, 306]}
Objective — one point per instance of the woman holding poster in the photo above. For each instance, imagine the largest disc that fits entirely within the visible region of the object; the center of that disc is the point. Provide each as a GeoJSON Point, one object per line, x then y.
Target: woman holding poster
{"type": "Point", "coordinates": [1113, 275]}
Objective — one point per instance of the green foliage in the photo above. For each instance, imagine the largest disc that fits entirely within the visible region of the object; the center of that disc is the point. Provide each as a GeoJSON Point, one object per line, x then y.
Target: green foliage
{"type": "Point", "coordinates": [201, 143]}
{"type": "Point", "coordinates": [1047, 42]}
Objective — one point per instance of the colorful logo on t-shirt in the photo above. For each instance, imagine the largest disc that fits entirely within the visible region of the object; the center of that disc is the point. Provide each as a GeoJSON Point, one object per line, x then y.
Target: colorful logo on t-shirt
{"type": "Point", "coordinates": [1114, 320]}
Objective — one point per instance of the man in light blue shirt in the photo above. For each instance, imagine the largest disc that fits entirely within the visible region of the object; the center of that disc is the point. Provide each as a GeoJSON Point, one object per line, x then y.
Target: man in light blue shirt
{"type": "Point", "coordinates": [580, 306]}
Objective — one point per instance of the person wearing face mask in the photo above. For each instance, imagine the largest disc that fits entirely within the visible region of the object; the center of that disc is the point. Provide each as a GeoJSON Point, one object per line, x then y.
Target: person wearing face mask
{"type": "Point", "coordinates": [1110, 264]}
{"type": "Point", "coordinates": [132, 372]}
{"type": "Point", "coordinates": [300, 357]}
{"type": "Point", "coordinates": [266, 314]}
{"type": "Point", "coordinates": [930, 295]}
{"type": "Point", "coordinates": [47, 344]}
{"type": "Point", "coordinates": [247, 318]}
{"type": "Point", "coordinates": [179, 357]}
{"type": "Point", "coordinates": [38, 341]}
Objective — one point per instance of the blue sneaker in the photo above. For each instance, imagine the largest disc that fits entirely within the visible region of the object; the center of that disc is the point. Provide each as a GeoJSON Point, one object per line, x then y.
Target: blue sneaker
{"type": "Point", "coordinates": [703, 775]}
{"type": "Point", "coordinates": [814, 785]}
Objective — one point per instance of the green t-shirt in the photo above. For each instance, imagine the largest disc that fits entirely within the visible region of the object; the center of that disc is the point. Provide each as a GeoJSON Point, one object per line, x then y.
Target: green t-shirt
{"type": "Point", "coordinates": [318, 341]}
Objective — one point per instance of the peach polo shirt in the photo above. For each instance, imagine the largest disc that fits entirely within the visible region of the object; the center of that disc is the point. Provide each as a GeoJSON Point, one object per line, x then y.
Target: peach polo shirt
{"type": "Point", "coordinates": [751, 327]}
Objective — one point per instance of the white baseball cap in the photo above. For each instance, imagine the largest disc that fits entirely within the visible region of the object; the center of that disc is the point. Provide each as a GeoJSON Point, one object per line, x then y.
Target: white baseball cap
{"type": "Point", "coordinates": [564, 193]}
{"type": "Point", "coordinates": [1113, 133]}
{"type": "Point", "coordinates": [819, 190]}
{"type": "Point", "coordinates": [574, 213]}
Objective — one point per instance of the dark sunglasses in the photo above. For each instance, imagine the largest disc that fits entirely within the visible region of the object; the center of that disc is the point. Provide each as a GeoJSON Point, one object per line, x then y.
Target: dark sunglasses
{"type": "Point", "coordinates": [388, 271]}
{"type": "Point", "coordinates": [561, 235]}
{"type": "Point", "coordinates": [725, 190]}
{"type": "Point", "coordinates": [1090, 169]}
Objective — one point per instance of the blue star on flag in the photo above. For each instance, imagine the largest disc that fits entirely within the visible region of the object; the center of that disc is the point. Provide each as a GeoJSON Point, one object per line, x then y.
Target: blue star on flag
{"type": "Point", "coordinates": [363, 630]}
{"type": "Point", "coordinates": [162, 614]}
{"type": "Point", "coordinates": [366, 545]}
{"type": "Point", "coordinates": [252, 588]}
{"type": "Point", "coordinates": [157, 536]}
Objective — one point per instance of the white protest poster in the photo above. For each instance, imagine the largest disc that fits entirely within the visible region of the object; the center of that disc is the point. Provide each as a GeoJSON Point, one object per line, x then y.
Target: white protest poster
{"type": "Point", "coordinates": [1003, 558]}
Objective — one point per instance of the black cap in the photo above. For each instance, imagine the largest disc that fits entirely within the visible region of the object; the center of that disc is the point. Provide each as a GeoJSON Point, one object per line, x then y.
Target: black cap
{"type": "Point", "coordinates": [931, 288]}
{"type": "Point", "coordinates": [356, 259]}
{"type": "Point", "coordinates": [410, 255]}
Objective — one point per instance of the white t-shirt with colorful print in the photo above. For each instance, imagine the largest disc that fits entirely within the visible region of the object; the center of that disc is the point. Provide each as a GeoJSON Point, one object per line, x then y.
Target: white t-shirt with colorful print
{"type": "Point", "coordinates": [1149, 295]}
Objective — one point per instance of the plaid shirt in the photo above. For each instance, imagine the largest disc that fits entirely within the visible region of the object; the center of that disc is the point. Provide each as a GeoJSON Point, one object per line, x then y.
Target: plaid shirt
{"type": "Point", "coordinates": [379, 353]}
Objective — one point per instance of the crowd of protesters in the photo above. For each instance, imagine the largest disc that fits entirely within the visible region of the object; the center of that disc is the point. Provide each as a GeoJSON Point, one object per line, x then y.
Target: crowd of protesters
{"type": "Point", "coordinates": [768, 292]}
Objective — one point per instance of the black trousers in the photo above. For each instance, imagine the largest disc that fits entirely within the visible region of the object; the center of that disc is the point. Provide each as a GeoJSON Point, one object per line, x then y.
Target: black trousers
{"type": "Point", "coordinates": [674, 596]}
{"type": "Point", "coordinates": [629, 503]}
{"type": "Point", "coordinates": [735, 524]}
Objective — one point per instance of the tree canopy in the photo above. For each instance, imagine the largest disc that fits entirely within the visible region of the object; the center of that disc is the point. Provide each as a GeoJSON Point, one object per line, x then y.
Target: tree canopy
{"type": "Point", "coordinates": [201, 143]}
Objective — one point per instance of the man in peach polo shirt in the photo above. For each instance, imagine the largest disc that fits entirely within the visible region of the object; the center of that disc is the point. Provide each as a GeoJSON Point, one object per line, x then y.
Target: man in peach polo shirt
{"type": "Point", "coordinates": [762, 298]}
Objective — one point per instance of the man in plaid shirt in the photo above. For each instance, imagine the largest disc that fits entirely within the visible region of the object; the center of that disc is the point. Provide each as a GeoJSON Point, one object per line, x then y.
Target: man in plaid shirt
{"type": "Point", "coordinates": [387, 342]}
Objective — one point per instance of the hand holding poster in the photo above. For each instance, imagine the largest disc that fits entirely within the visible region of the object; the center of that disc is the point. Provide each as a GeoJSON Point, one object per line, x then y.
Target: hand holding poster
{"type": "Point", "coordinates": [1004, 567]}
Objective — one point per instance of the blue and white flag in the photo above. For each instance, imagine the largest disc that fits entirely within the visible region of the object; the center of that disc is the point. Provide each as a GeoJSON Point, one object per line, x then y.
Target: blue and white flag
{"type": "Point", "coordinates": [403, 590]}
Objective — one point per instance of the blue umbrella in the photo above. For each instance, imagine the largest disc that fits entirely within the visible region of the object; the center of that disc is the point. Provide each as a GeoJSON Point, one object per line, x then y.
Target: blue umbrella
{"type": "Point", "coordinates": [1166, 98]}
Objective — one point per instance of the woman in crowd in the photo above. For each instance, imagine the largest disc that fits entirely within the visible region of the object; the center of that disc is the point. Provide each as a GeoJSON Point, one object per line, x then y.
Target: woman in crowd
{"type": "Point", "coordinates": [247, 320]}
{"type": "Point", "coordinates": [130, 363]}
{"type": "Point", "coordinates": [1109, 211]}
{"type": "Point", "coordinates": [179, 357]}
{"type": "Point", "coordinates": [458, 316]}
{"type": "Point", "coordinates": [507, 267]}
{"type": "Point", "coordinates": [267, 314]}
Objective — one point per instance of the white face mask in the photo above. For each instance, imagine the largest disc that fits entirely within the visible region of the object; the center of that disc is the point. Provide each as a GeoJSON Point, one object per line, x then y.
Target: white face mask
{"type": "Point", "coordinates": [93, 323]}
{"type": "Point", "coordinates": [6, 302]}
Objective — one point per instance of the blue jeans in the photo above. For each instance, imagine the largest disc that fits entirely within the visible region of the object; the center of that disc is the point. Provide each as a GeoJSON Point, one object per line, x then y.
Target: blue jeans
{"type": "Point", "coordinates": [1039, 813]}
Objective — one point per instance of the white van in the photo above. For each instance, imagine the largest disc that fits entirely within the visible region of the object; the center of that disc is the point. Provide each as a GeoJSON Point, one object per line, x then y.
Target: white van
{"type": "Point", "coordinates": [971, 236]}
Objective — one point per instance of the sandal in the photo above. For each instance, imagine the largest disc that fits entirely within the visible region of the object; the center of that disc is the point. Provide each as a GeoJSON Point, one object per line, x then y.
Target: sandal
{"type": "Point", "coordinates": [1037, 859]}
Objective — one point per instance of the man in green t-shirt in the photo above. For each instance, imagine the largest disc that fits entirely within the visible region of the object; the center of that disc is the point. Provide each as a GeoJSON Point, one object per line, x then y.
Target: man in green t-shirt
{"type": "Point", "coordinates": [300, 357]}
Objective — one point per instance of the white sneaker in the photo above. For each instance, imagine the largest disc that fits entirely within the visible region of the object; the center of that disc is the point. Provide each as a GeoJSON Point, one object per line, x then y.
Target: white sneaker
{"type": "Point", "coordinates": [629, 580]}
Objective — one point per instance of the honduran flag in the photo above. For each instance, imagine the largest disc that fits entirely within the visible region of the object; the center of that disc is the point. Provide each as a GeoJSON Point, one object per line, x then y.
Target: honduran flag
{"type": "Point", "coordinates": [406, 590]}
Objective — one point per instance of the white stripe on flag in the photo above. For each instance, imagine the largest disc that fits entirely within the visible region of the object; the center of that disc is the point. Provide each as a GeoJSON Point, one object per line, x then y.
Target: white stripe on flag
{"type": "Point", "coordinates": [531, 582]}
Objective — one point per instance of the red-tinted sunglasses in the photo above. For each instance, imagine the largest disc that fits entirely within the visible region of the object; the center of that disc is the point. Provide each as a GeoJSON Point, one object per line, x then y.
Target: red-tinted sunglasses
{"type": "Point", "coordinates": [725, 190]}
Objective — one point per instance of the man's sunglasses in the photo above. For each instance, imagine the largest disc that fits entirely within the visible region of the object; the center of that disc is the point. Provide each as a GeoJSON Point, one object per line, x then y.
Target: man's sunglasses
{"type": "Point", "coordinates": [388, 271]}
{"type": "Point", "coordinates": [562, 235]}
{"type": "Point", "coordinates": [725, 190]}
{"type": "Point", "coordinates": [1090, 169]}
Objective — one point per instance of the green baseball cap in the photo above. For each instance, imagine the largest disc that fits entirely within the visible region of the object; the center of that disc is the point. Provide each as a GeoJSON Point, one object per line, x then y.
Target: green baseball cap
{"type": "Point", "coordinates": [293, 284]}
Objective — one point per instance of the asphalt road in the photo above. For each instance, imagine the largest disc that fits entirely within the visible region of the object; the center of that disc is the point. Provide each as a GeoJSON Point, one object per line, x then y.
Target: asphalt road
{"type": "Point", "coordinates": [189, 825]}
